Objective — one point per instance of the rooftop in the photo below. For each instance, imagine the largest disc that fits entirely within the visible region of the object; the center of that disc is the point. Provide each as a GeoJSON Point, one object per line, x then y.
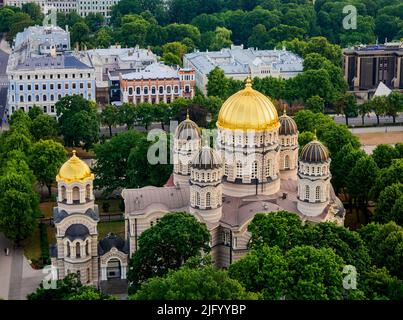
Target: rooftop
{"type": "Point", "coordinates": [153, 71]}
{"type": "Point", "coordinates": [65, 61]}
{"type": "Point", "coordinates": [237, 60]}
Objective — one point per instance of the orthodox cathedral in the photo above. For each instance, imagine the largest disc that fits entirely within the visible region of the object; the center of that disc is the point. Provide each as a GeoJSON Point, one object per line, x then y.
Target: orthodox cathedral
{"type": "Point", "coordinates": [254, 167]}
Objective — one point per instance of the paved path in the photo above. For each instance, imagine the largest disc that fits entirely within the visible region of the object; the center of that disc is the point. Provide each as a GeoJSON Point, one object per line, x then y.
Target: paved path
{"type": "Point", "coordinates": [369, 119]}
{"type": "Point", "coordinates": [377, 129]}
{"type": "Point", "coordinates": [17, 278]}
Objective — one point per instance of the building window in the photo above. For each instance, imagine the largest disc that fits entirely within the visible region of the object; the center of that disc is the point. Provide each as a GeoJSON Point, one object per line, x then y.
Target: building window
{"type": "Point", "coordinates": [21, 98]}
{"type": "Point", "coordinates": [87, 248]}
{"type": "Point", "coordinates": [239, 169]}
{"type": "Point", "coordinates": [130, 91]}
{"type": "Point", "coordinates": [254, 170]}
{"type": "Point", "coordinates": [286, 162]}
{"type": "Point", "coordinates": [161, 89]}
{"type": "Point", "coordinates": [268, 168]}
{"type": "Point", "coordinates": [208, 199]}
{"type": "Point", "coordinates": [226, 169]}
{"type": "Point", "coordinates": [138, 91]}
{"type": "Point", "coordinates": [317, 193]}
{"type": "Point", "coordinates": [78, 253]}
{"type": "Point", "coordinates": [197, 199]}
{"type": "Point", "coordinates": [68, 249]}
{"type": "Point", "coordinates": [307, 193]}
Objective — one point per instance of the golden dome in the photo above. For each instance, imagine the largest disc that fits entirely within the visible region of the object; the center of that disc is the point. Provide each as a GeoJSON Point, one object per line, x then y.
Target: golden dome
{"type": "Point", "coordinates": [74, 170]}
{"type": "Point", "coordinates": [248, 109]}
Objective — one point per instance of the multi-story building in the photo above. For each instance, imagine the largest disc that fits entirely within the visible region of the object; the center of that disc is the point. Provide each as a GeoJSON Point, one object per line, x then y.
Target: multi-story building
{"type": "Point", "coordinates": [366, 66]}
{"type": "Point", "coordinates": [239, 63]}
{"type": "Point", "coordinates": [108, 63]}
{"type": "Point", "coordinates": [41, 71]}
{"type": "Point", "coordinates": [157, 83]}
{"type": "Point", "coordinates": [82, 7]}
{"type": "Point", "coordinates": [40, 40]}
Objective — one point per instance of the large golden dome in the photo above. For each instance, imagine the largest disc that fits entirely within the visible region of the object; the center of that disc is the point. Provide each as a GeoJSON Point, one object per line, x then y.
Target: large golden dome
{"type": "Point", "coordinates": [74, 170]}
{"type": "Point", "coordinates": [248, 109]}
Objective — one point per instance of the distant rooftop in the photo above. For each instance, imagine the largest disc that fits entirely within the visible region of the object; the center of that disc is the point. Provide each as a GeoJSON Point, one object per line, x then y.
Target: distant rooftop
{"type": "Point", "coordinates": [65, 61]}
{"type": "Point", "coordinates": [237, 60]}
{"type": "Point", "coordinates": [153, 71]}
{"type": "Point", "coordinates": [124, 54]}
{"type": "Point", "coordinates": [388, 46]}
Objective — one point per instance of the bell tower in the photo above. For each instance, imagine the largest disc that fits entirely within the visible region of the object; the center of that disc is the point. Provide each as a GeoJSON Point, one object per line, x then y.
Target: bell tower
{"type": "Point", "coordinates": [76, 217]}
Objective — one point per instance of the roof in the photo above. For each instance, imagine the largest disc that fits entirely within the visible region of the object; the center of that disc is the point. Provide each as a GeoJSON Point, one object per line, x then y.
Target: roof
{"type": "Point", "coordinates": [112, 241]}
{"type": "Point", "coordinates": [153, 71]}
{"type": "Point", "coordinates": [147, 198]}
{"type": "Point", "coordinates": [314, 152]}
{"type": "Point", "coordinates": [58, 216]}
{"type": "Point", "coordinates": [64, 61]}
{"type": "Point", "coordinates": [206, 159]}
{"type": "Point", "coordinates": [287, 125]}
{"type": "Point", "coordinates": [239, 61]}
{"type": "Point", "coordinates": [187, 130]}
{"type": "Point", "coordinates": [77, 231]}
{"type": "Point", "coordinates": [382, 90]}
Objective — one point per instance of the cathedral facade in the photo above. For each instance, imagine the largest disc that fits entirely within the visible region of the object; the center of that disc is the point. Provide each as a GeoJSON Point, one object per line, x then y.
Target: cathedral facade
{"type": "Point", "coordinates": [254, 167]}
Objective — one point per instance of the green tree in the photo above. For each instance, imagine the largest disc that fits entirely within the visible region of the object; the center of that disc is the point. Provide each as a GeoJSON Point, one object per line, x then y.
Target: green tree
{"type": "Point", "coordinates": [385, 243]}
{"type": "Point", "coordinates": [379, 106]}
{"type": "Point", "coordinates": [217, 84]}
{"type": "Point", "coordinates": [378, 284]}
{"type": "Point", "coordinates": [127, 115]}
{"type": "Point", "coordinates": [364, 109]}
{"type": "Point", "coordinates": [111, 167]}
{"type": "Point", "coordinates": [386, 202]}
{"type": "Point", "coordinates": [103, 37]}
{"type": "Point", "coordinates": [304, 138]}
{"type": "Point", "coordinates": [264, 271]}
{"type": "Point", "coordinates": [47, 156]}
{"type": "Point", "coordinates": [394, 104]}
{"type": "Point", "coordinates": [387, 177]}
{"type": "Point", "coordinates": [315, 104]}
{"type": "Point", "coordinates": [34, 11]}
{"type": "Point", "coordinates": [80, 33]}
{"type": "Point", "coordinates": [183, 237]}
{"type": "Point", "coordinates": [44, 127]}
{"type": "Point", "coordinates": [172, 53]}
{"type": "Point", "coordinates": [94, 21]}
{"type": "Point", "coordinates": [347, 105]}
{"type": "Point", "coordinates": [316, 274]}
{"type": "Point", "coordinates": [78, 120]}
{"type": "Point", "coordinates": [362, 178]}
{"type": "Point", "coordinates": [383, 155]}
{"type": "Point", "coordinates": [222, 39]}
{"type": "Point", "coordinates": [208, 283]}
{"type": "Point", "coordinates": [18, 205]}
{"type": "Point", "coordinates": [396, 214]}
{"type": "Point", "coordinates": [34, 112]}
{"type": "Point", "coordinates": [110, 117]}
{"type": "Point", "coordinates": [283, 229]}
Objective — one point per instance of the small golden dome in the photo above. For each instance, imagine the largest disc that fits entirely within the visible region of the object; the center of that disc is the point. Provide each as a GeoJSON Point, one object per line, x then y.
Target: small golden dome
{"type": "Point", "coordinates": [248, 109]}
{"type": "Point", "coordinates": [74, 170]}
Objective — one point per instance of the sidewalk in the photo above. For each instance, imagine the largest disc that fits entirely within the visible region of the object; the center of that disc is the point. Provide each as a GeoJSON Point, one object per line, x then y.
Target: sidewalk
{"type": "Point", "coordinates": [5, 267]}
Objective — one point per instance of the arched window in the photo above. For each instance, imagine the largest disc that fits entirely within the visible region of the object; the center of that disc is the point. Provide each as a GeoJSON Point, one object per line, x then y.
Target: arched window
{"type": "Point", "coordinates": [197, 199]}
{"type": "Point", "coordinates": [63, 189]}
{"type": "Point", "coordinates": [87, 248]}
{"type": "Point", "coordinates": [208, 199]}
{"type": "Point", "coordinates": [68, 249]}
{"type": "Point", "coordinates": [307, 193]}
{"type": "Point", "coordinates": [286, 162]}
{"type": "Point", "coordinates": [254, 169]}
{"type": "Point", "coordinates": [239, 169]}
{"type": "Point", "coordinates": [268, 168]}
{"type": "Point", "coordinates": [88, 192]}
{"type": "Point", "coordinates": [76, 194]}
{"type": "Point", "coordinates": [78, 252]}
{"type": "Point", "coordinates": [79, 275]}
{"type": "Point", "coordinates": [130, 91]}
{"type": "Point", "coordinates": [317, 193]}
{"type": "Point", "coordinates": [88, 275]}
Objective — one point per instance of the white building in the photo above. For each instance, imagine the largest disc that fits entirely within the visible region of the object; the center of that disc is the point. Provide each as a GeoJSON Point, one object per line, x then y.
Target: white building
{"type": "Point", "coordinates": [83, 8]}
{"type": "Point", "coordinates": [41, 71]}
{"type": "Point", "coordinates": [239, 63]}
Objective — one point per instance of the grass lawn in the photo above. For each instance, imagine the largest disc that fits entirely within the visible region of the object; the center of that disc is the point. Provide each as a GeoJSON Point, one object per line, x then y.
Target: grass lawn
{"type": "Point", "coordinates": [116, 227]}
{"type": "Point", "coordinates": [32, 245]}
{"type": "Point", "coordinates": [113, 203]}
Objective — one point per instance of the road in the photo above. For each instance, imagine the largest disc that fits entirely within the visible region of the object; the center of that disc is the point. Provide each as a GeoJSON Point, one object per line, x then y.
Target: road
{"type": "Point", "coordinates": [17, 278]}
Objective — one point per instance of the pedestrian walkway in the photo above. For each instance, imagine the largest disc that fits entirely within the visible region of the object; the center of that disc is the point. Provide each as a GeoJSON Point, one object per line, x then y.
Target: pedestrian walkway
{"type": "Point", "coordinates": [17, 278]}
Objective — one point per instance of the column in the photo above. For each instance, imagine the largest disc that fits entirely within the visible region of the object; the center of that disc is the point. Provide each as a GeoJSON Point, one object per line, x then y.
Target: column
{"type": "Point", "coordinates": [59, 194]}
{"type": "Point", "coordinates": [82, 195]}
{"type": "Point", "coordinates": [123, 273]}
{"type": "Point", "coordinates": [69, 193]}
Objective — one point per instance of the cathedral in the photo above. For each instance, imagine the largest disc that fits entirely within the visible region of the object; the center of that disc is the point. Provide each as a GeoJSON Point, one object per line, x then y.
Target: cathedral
{"type": "Point", "coordinates": [254, 167]}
